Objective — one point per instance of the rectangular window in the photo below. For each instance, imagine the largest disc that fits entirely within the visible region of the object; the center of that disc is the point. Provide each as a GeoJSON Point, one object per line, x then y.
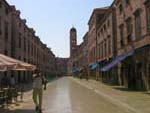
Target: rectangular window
{"type": "Point", "coordinates": [6, 11]}
{"type": "Point", "coordinates": [32, 50]}
{"type": "Point", "coordinates": [24, 29]}
{"type": "Point", "coordinates": [24, 44]}
{"type": "Point", "coordinates": [127, 2]}
{"type": "Point", "coordinates": [0, 4]}
{"type": "Point", "coordinates": [108, 23]}
{"type": "Point", "coordinates": [94, 53]}
{"type": "Point", "coordinates": [0, 25]}
{"type": "Point", "coordinates": [97, 51]}
{"type": "Point", "coordinates": [137, 24]}
{"type": "Point", "coordinates": [129, 29]}
{"type": "Point", "coordinates": [28, 47]}
{"type": "Point", "coordinates": [105, 48]}
{"type": "Point", "coordinates": [19, 58]}
{"type": "Point", "coordinates": [6, 52]}
{"type": "Point", "coordinates": [105, 27]}
{"type": "Point", "coordinates": [19, 40]}
{"type": "Point", "coordinates": [102, 50]}
{"type": "Point", "coordinates": [91, 55]}
{"type": "Point", "coordinates": [148, 16]}
{"type": "Point", "coordinates": [109, 45]}
{"type": "Point", "coordinates": [98, 34]}
{"type": "Point", "coordinates": [121, 35]}
{"type": "Point", "coordinates": [35, 51]}
{"type": "Point", "coordinates": [19, 24]}
{"type": "Point", "coordinates": [24, 59]}
{"type": "Point", "coordinates": [6, 31]}
{"type": "Point", "coordinates": [120, 9]}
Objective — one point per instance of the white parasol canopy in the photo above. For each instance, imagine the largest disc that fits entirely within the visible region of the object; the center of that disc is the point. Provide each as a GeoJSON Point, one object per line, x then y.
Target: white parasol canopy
{"type": "Point", "coordinates": [7, 63]}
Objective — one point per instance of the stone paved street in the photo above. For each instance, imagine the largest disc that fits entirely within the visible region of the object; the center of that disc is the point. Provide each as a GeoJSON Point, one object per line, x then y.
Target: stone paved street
{"type": "Point", "coordinates": [70, 95]}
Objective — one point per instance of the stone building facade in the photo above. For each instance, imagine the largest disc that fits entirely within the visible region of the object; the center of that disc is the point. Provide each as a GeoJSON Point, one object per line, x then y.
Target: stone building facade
{"type": "Point", "coordinates": [73, 49]}
{"type": "Point", "coordinates": [106, 44]}
{"type": "Point", "coordinates": [5, 30]}
{"type": "Point", "coordinates": [101, 43]}
{"type": "Point", "coordinates": [92, 37]}
{"type": "Point", "coordinates": [73, 42]}
{"type": "Point", "coordinates": [85, 50]}
{"type": "Point", "coordinates": [62, 64]}
{"type": "Point", "coordinates": [119, 43]}
{"type": "Point", "coordinates": [133, 20]}
{"type": "Point", "coordinates": [78, 53]}
{"type": "Point", "coordinates": [20, 42]}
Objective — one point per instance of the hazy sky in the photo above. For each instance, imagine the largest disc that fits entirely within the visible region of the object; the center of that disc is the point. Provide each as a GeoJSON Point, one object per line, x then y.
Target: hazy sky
{"type": "Point", "coordinates": [52, 19]}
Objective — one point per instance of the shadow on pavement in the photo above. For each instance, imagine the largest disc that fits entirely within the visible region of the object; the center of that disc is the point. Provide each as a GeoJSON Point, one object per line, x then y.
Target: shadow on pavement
{"type": "Point", "coordinates": [128, 89]}
{"type": "Point", "coordinates": [27, 87]}
{"type": "Point", "coordinates": [147, 93]}
{"type": "Point", "coordinates": [17, 111]}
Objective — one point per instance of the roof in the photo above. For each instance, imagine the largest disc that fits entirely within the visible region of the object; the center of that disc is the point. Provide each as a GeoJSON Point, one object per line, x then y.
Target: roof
{"type": "Point", "coordinates": [98, 11]}
{"type": "Point", "coordinates": [73, 29]}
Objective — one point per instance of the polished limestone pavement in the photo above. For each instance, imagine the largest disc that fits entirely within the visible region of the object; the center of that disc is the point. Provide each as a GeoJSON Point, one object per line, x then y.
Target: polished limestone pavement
{"type": "Point", "coordinates": [67, 96]}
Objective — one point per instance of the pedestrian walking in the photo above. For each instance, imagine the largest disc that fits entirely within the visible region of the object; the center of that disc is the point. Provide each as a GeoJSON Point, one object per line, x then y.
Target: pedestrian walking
{"type": "Point", "coordinates": [37, 91]}
{"type": "Point", "coordinates": [86, 73]}
{"type": "Point", "coordinates": [12, 81]}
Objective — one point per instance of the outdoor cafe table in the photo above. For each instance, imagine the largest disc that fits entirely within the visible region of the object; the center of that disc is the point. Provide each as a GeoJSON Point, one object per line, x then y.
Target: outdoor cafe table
{"type": "Point", "coordinates": [1, 93]}
{"type": "Point", "coordinates": [1, 97]}
{"type": "Point", "coordinates": [6, 92]}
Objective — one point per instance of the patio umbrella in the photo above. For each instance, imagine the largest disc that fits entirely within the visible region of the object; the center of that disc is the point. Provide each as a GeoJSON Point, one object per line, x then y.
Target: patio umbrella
{"type": "Point", "coordinates": [22, 66]}
{"type": "Point", "coordinates": [8, 63]}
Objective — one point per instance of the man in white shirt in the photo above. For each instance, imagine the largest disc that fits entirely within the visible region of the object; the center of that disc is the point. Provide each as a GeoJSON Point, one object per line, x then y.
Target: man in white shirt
{"type": "Point", "coordinates": [37, 90]}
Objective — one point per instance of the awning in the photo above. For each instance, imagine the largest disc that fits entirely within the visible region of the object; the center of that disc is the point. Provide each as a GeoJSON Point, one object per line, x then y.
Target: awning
{"type": "Point", "coordinates": [75, 70]}
{"type": "Point", "coordinates": [110, 65]}
{"type": "Point", "coordinates": [146, 47]}
{"type": "Point", "coordinates": [8, 63]}
{"type": "Point", "coordinates": [80, 69]}
{"type": "Point", "coordinates": [93, 66]}
{"type": "Point", "coordinates": [124, 56]}
{"type": "Point", "coordinates": [102, 62]}
{"type": "Point", "coordinates": [117, 60]}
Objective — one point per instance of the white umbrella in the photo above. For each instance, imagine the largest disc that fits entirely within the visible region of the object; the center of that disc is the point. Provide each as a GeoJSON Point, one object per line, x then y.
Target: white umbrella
{"type": "Point", "coordinates": [7, 63]}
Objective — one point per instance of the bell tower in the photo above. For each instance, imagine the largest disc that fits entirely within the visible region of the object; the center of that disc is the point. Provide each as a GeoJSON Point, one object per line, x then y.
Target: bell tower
{"type": "Point", "coordinates": [73, 41]}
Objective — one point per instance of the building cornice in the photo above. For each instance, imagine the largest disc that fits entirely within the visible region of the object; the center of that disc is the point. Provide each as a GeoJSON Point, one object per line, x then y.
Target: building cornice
{"type": "Point", "coordinates": [97, 11]}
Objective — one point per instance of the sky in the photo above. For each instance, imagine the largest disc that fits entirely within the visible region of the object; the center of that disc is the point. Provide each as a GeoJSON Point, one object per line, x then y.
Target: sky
{"type": "Point", "coordinates": [52, 19]}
